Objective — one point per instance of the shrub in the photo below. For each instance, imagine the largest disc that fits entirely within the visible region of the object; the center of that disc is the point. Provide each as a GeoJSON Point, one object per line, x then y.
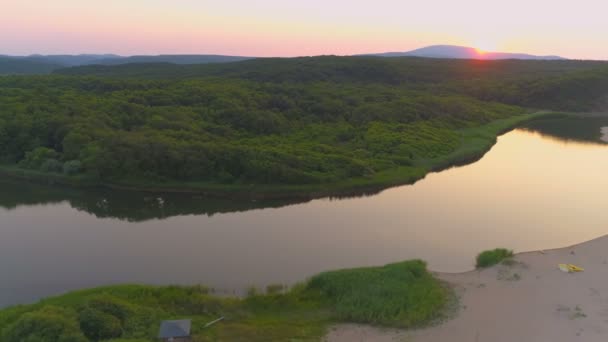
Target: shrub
{"type": "Point", "coordinates": [493, 257]}
{"type": "Point", "coordinates": [111, 306]}
{"type": "Point", "coordinates": [201, 304]}
{"type": "Point", "coordinates": [38, 156]}
{"type": "Point", "coordinates": [274, 289]}
{"type": "Point", "coordinates": [98, 325]}
{"type": "Point", "coordinates": [72, 167]}
{"type": "Point", "coordinates": [49, 324]}
{"type": "Point", "coordinates": [51, 165]}
{"type": "Point", "coordinates": [253, 291]}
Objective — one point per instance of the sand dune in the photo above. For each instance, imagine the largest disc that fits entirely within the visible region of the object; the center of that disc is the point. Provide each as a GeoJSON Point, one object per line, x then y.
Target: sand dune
{"type": "Point", "coordinates": [530, 300]}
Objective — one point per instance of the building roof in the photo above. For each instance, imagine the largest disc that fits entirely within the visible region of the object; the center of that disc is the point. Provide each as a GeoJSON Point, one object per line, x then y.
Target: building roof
{"type": "Point", "coordinates": [179, 328]}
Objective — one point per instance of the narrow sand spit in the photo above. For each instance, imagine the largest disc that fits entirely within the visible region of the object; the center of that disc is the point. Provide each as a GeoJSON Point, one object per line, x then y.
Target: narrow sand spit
{"type": "Point", "coordinates": [530, 300]}
{"type": "Point", "coordinates": [604, 134]}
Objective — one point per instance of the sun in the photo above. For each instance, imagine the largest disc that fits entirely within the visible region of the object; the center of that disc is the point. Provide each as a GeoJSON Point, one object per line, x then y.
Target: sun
{"type": "Point", "coordinates": [484, 47]}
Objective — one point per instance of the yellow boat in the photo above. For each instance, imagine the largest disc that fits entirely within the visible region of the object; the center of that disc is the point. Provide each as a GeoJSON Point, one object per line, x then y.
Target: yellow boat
{"type": "Point", "coordinates": [569, 268]}
{"type": "Point", "coordinates": [574, 268]}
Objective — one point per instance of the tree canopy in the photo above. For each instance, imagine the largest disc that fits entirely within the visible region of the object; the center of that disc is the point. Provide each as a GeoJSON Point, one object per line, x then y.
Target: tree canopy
{"type": "Point", "coordinates": [271, 121]}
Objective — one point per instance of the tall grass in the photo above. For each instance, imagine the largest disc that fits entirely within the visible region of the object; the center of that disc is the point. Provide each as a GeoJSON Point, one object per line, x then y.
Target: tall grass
{"type": "Point", "coordinates": [493, 257]}
{"type": "Point", "coordinates": [403, 294]}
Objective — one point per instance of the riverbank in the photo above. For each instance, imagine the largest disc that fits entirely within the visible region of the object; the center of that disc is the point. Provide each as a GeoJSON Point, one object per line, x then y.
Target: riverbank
{"type": "Point", "coordinates": [402, 294]}
{"type": "Point", "coordinates": [528, 299]}
{"type": "Point", "coordinates": [475, 142]}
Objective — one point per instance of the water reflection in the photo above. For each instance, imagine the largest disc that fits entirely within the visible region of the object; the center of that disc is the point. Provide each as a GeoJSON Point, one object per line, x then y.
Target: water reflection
{"type": "Point", "coordinates": [529, 192]}
{"type": "Point", "coordinates": [125, 205]}
{"type": "Point", "coordinates": [583, 129]}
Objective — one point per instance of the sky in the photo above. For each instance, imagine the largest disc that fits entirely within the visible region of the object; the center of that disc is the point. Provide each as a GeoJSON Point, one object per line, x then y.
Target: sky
{"type": "Point", "coordinates": [574, 29]}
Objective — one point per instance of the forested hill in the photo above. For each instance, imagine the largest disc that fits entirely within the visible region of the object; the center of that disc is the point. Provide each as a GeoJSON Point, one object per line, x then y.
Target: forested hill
{"type": "Point", "coordinates": [528, 83]}
{"type": "Point", "coordinates": [305, 124]}
{"type": "Point", "coordinates": [402, 70]}
{"type": "Point", "coordinates": [464, 52]}
{"type": "Point", "coordinates": [45, 64]}
{"type": "Point", "coordinates": [174, 59]}
{"type": "Point", "coordinates": [12, 66]}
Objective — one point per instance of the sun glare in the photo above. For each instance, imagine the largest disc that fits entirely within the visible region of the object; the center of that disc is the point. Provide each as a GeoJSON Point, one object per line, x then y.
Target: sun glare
{"type": "Point", "coordinates": [485, 46]}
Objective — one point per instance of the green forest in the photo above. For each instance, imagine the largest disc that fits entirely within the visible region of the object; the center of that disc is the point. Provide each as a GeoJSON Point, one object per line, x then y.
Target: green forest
{"type": "Point", "coordinates": [300, 124]}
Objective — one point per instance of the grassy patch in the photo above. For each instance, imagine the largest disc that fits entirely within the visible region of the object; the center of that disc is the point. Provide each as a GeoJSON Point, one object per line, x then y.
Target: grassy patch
{"type": "Point", "coordinates": [493, 257]}
{"type": "Point", "coordinates": [402, 294]}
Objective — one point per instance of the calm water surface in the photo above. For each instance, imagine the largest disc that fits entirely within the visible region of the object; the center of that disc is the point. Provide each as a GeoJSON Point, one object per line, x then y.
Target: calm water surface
{"type": "Point", "coordinates": [531, 191]}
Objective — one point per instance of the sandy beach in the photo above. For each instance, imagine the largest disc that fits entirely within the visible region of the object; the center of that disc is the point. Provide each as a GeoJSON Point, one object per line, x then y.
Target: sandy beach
{"type": "Point", "coordinates": [529, 300]}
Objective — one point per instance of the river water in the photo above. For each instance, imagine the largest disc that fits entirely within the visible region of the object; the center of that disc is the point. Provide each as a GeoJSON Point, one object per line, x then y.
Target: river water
{"type": "Point", "coordinates": [541, 187]}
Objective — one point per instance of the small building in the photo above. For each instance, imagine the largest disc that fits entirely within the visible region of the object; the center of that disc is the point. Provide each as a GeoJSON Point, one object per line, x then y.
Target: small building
{"type": "Point", "coordinates": [175, 331]}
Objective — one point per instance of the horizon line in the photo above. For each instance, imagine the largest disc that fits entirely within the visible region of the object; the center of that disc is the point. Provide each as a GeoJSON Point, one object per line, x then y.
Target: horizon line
{"type": "Point", "coordinates": [279, 56]}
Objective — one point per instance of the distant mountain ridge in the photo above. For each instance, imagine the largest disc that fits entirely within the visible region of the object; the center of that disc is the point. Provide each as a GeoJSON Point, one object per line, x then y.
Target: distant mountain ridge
{"type": "Point", "coordinates": [44, 64]}
{"type": "Point", "coordinates": [174, 59]}
{"type": "Point", "coordinates": [14, 66]}
{"type": "Point", "coordinates": [67, 60]}
{"type": "Point", "coordinates": [462, 52]}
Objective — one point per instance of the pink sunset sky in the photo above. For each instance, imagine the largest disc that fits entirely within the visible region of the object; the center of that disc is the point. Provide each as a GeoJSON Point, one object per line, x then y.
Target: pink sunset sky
{"type": "Point", "coordinates": [575, 29]}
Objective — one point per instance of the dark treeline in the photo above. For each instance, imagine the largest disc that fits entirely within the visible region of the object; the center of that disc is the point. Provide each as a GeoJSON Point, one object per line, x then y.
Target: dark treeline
{"type": "Point", "coordinates": [584, 129]}
{"type": "Point", "coordinates": [402, 70]}
{"type": "Point", "coordinates": [13, 66]}
{"type": "Point", "coordinates": [271, 121]}
{"type": "Point", "coordinates": [536, 83]}
{"type": "Point", "coordinates": [130, 206]}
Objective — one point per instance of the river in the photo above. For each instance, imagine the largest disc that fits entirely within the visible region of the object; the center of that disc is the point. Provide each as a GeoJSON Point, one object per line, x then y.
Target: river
{"type": "Point", "coordinates": [541, 187]}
